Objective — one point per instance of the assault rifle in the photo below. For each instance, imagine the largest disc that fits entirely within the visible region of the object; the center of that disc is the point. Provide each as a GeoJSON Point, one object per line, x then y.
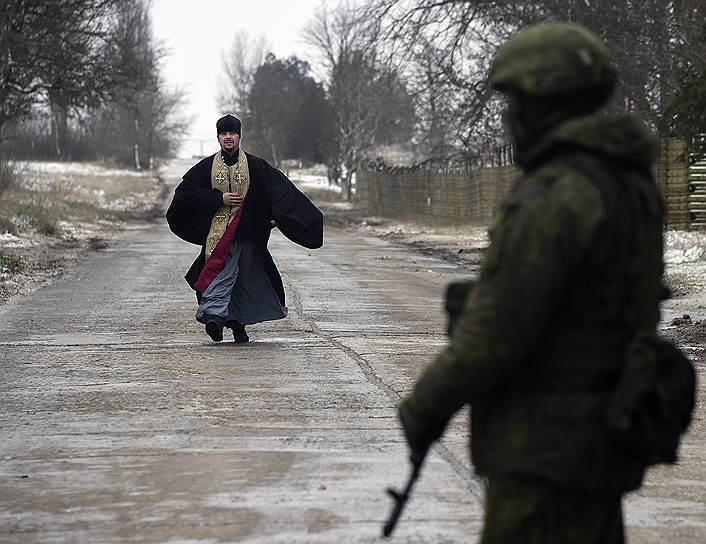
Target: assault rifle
{"type": "Point", "coordinates": [456, 294]}
{"type": "Point", "coordinates": [401, 498]}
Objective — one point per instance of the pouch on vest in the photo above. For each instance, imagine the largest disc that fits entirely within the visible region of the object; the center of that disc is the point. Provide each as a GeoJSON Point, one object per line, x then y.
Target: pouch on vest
{"type": "Point", "coordinates": [456, 294]}
{"type": "Point", "coordinates": [652, 405]}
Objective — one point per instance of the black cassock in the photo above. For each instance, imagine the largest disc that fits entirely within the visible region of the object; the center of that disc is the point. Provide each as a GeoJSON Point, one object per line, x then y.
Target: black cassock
{"type": "Point", "coordinates": [271, 195]}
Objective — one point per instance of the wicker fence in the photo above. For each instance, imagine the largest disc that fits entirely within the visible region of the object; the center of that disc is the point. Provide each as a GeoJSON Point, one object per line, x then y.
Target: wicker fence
{"type": "Point", "coordinates": [470, 194]}
{"type": "Point", "coordinates": [672, 173]}
{"type": "Point", "coordinates": [439, 198]}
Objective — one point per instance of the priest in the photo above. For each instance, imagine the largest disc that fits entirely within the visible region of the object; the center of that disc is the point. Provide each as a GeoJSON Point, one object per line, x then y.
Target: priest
{"type": "Point", "coordinates": [228, 203]}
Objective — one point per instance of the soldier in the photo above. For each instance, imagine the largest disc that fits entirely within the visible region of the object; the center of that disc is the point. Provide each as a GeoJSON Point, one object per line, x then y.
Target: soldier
{"type": "Point", "coordinates": [572, 276]}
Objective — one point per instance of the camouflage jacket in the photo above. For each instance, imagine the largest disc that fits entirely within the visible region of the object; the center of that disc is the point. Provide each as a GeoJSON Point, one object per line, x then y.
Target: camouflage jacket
{"type": "Point", "coordinates": [573, 270]}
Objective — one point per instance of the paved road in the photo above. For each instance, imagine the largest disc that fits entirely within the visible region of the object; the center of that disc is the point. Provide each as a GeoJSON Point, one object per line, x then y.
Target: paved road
{"type": "Point", "coordinates": [121, 422]}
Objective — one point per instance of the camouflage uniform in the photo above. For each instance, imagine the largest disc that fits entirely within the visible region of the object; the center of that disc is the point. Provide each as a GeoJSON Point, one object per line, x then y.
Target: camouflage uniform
{"type": "Point", "coordinates": [572, 273]}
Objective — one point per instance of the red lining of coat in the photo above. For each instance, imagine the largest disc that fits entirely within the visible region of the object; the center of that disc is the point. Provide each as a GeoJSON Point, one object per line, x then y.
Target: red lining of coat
{"type": "Point", "coordinates": [219, 257]}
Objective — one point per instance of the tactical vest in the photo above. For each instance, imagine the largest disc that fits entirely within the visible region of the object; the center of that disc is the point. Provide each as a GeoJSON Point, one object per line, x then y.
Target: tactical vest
{"type": "Point", "coordinates": [549, 420]}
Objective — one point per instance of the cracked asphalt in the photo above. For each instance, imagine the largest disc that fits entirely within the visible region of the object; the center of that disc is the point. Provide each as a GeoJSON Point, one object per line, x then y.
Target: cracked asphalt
{"type": "Point", "coordinates": [120, 421]}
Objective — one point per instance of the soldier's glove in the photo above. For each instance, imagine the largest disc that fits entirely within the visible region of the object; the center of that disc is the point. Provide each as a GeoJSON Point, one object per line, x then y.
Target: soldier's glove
{"type": "Point", "coordinates": [421, 431]}
{"type": "Point", "coordinates": [456, 294]}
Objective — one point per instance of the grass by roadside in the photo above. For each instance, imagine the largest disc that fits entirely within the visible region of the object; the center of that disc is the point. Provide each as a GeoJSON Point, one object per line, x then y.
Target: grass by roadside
{"type": "Point", "coordinates": [44, 212]}
{"type": "Point", "coordinates": [52, 213]}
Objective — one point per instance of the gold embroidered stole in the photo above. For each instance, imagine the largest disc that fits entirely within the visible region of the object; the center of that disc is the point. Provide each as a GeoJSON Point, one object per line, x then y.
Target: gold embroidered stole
{"type": "Point", "coordinates": [227, 179]}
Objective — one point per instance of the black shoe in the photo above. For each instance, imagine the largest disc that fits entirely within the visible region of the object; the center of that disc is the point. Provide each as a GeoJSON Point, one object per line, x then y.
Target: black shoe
{"type": "Point", "coordinates": [239, 334]}
{"type": "Point", "coordinates": [215, 330]}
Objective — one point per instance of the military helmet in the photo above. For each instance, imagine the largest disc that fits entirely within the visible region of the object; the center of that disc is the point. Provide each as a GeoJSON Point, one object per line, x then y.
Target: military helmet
{"type": "Point", "coordinates": [553, 58]}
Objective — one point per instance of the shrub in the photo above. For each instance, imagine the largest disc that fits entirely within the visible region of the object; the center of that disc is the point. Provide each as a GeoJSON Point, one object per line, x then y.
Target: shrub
{"type": "Point", "coordinates": [10, 263]}
{"type": "Point", "coordinates": [7, 225]}
{"type": "Point", "coordinates": [42, 218]}
{"type": "Point", "coordinates": [40, 212]}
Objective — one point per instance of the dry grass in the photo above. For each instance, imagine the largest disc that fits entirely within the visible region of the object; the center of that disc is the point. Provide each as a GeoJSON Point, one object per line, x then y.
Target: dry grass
{"type": "Point", "coordinates": [22, 211]}
{"type": "Point", "coordinates": [40, 201]}
{"type": "Point", "coordinates": [56, 212]}
{"type": "Point", "coordinates": [9, 264]}
{"type": "Point", "coordinates": [7, 225]}
{"type": "Point", "coordinates": [43, 211]}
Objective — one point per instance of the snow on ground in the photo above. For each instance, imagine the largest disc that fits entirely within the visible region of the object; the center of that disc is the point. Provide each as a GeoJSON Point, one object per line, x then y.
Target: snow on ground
{"type": "Point", "coordinates": [8, 240]}
{"type": "Point", "coordinates": [681, 247]}
{"type": "Point", "coordinates": [685, 259]}
{"type": "Point", "coordinates": [114, 189]}
{"type": "Point", "coordinates": [73, 168]}
{"type": "Point", "coordinates": [312, 178]}
{"type": "Point", "coordinates": [315, 181]}
{"type": "Point", "coordinates": [88, 203]}
{"type": "Point", "coordinates": [81, 179]}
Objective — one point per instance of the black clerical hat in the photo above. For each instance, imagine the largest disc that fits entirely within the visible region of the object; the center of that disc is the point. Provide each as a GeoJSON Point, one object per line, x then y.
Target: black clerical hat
{"type": "Point", "coordinates": [228, 123]}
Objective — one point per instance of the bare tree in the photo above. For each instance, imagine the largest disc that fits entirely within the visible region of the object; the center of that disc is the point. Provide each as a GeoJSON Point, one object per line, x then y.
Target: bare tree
{"type": "Point", "coordinates": [657, 45]}
{"type": "Point", "coordinates": [685, 114]}
{"type": "Point", "coordinates": [130, 118]}
{"type": "Point", "coordinates": [649, 41]}
{"type": "Point", "coordinates": [53, 47]}
{"type": "Point", "coordinates": [137, 57]}
{"type": "Point", "coordinates": [239, 65]}
{"type": "Point", "coordinates": [366, 94]}
{"type": "Point", "coordinates": [434, 107]}
{"type": "Point", "coordinates": [446, 48]}
{"type": "Point", "coordinates": [72, 56]}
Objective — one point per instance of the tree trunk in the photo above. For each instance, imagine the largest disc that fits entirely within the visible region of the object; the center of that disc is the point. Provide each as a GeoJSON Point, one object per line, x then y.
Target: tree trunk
{"type": "Point", "coordinates": [274, 155]}
{"type": "Point", "coordinates": [150, 149]}
{"type": "Point", "coordinates": [137, 144]}
{"type": "Point", "coordinates": [59, 129]}
{"type": "Point", "coordinates": [333, 174]}
{"type": "Point", "coordinates": [348, 184]}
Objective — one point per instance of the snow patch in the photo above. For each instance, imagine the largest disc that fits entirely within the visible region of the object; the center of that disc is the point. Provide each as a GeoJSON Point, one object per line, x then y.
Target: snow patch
{"type": "Point", "coordinates": [682, 247]}
{"type": "Point", "coordinates": [75, 168]}
{"type": "Point", "coordinates": [313, 178]}
{"type": "Point", "coordinates": [8, 238]}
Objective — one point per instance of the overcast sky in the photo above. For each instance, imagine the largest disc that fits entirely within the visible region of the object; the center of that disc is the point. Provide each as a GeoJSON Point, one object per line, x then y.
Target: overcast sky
{"type": "Point", "coordinates": [196, 33]}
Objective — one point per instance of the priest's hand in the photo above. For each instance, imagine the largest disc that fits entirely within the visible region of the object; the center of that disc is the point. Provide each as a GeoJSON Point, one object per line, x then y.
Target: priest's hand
{"type": "Point", "coordinates": [232, 199]}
